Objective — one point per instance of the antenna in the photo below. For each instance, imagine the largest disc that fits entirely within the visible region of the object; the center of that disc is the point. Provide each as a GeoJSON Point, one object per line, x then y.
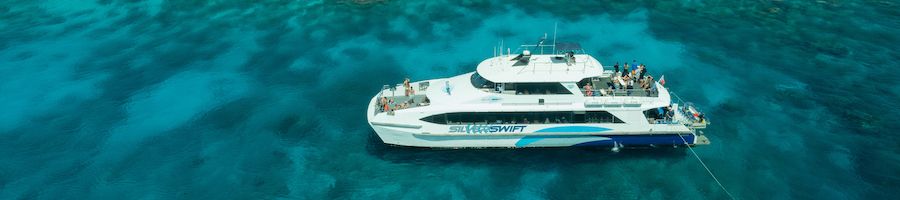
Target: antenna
{"type": "Point", "coordinates": [500, 47]}
{"type": "Point", "coordinates": [554, 36]}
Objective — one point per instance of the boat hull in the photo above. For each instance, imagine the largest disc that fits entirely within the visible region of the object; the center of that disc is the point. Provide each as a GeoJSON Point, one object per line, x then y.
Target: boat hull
{"type": "Point", "coordinates": [405, 133]}
{"type": "Point", "coordinates": [395, 136]}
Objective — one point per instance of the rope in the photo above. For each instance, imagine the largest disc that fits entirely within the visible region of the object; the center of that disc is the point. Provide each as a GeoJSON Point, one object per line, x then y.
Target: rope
{"type": "Point", "coordinates": [707, 168]}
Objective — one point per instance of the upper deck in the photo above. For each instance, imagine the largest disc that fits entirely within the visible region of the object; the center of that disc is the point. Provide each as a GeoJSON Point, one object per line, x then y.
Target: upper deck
{"type": "Point", "coordinates": [563, 66]}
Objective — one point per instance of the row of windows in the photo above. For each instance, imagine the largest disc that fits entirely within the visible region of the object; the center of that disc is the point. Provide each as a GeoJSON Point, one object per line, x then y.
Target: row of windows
{"type": "Point", "coordinates": [519, 88]}
{"type": "Point", "coordinates": [562, 117]}
{"type": "Point", "coordinates": [537, 88]}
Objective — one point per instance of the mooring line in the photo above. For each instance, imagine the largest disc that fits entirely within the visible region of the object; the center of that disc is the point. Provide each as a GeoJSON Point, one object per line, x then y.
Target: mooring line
{"type": "Point", "coordinates": [704, 166]}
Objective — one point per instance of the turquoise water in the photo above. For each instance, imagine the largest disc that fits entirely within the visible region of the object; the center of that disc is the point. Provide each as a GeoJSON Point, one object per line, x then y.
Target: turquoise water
{"type": "Point", "coordinates": [116, 99]}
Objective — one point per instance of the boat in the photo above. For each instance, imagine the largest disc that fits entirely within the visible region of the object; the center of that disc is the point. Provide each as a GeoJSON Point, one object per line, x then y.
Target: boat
{"type": "Point", "coordinates": [545, 95]}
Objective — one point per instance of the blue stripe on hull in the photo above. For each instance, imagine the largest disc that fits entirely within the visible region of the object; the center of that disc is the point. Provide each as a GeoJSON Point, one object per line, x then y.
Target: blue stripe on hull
{"type": "Point", "coordinates": [640, 140]}
{"type": "Point", "coordinates": [574, 129]}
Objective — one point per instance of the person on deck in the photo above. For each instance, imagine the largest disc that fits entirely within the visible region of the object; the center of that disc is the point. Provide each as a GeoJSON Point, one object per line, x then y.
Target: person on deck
{"type": "Point", "coordinates": [643, 83]}
{"type": "Point", "coordinates": [406, 86]}
{"type": "Point", "coordinates": [643, 71]}
{"type": "Point", "coordinates": [634, 65]}
{"type": "Point", "coordinates": [649, 83]}
{"type": "Point", "coordinates": [391, 107]}
{"type": "Point", "coordinates": [616, 67]}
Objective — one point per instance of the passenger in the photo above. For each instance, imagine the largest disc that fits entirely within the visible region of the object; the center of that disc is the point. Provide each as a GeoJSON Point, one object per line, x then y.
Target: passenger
{"type": "Point", "coordinates": [643, 70]}
{"type": "Point", "coordinates": [406, 86]}
{"type": "Point", "coordinates": [525, 121]}
{"type": "Point", "coordinates": [644, 84]}
{"type": "Point", "coordinates": [616, 67]}
{"type": "Point", "coordinates": [546, 120]}
{"type": "Point", "coordinates": [393, 104]}
{"type": "Point", "coordinates": [406, 82]}
{"type": "Point", "coordinates": [638, 71]}
{"type": "Point", "coordinates": [389, 107]}
{"type": "Point", "coordinates": [624, 70]}
{"type": "Point", "coordinates": [587, 89]}
{"type": "Point", "coordinates": [631, 82]}
{"type": "Point", "coordinates": [634, 65]}
{"type": "Point", "coordinates": [670, 112]}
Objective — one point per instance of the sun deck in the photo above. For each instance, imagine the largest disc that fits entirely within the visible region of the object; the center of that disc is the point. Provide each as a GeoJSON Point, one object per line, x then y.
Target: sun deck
{"type": "Point", "coordinates": [539, 68]}
{"type": "Point", "coordinates": [613, 86]}
{"type": "Point", "coordinates": [397, 98]}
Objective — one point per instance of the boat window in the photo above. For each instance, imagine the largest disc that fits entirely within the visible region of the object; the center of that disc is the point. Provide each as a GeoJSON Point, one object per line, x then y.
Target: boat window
{"type": "Point", "coordinates": [539, 88]}
{"type": "Point", "coordinates": [561, 117]}
{"type": "Point", "coordinates": [481, 82]}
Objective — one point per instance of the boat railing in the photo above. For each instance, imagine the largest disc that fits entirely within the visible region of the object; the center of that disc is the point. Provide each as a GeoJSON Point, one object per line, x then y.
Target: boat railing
{"type": "Point", "coordinates": [621, 93]}
{"type": "Point", "coordinates": [617, 88]}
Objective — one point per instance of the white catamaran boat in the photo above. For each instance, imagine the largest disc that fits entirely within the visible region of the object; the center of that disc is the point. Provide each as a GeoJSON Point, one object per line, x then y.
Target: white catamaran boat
{"type": "Point", "coordinates": [562, 98]}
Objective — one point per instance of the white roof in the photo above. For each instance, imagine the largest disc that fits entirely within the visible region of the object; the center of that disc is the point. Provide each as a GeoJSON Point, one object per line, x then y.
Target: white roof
{"type": "Point", "coordinates": [541, 68]}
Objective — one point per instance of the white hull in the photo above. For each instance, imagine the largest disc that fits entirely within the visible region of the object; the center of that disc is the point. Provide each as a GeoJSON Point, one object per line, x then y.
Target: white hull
{"type": "Point", "coordinates": [415, 136]}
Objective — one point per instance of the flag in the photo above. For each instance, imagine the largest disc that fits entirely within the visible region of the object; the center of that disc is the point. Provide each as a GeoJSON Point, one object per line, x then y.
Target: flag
{"type": "Point", "coordinates": [662, 80]}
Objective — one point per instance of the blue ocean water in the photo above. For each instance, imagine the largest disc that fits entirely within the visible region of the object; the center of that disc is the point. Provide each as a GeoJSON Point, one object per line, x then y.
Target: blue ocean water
{"type": "Point", "coordinates": [229, 99]}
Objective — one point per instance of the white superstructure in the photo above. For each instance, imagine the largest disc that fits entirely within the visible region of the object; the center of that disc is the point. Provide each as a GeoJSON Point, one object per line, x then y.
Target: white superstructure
{"type": "Point", "coordinates": [537, 100]}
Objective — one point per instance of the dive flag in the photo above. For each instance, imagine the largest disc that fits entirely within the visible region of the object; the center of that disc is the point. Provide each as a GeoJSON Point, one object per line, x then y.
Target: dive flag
{"type": "Point", "coordinates": [662, 80]}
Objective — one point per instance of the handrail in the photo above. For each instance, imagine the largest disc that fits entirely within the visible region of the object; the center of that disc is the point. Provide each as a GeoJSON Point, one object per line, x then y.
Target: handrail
{"type": "Point", "coordinates": [618, 92]}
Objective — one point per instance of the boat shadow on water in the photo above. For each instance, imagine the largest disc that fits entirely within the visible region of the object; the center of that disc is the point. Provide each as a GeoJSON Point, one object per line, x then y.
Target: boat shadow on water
{"type": "Point", "coordinates": [551, 156]}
